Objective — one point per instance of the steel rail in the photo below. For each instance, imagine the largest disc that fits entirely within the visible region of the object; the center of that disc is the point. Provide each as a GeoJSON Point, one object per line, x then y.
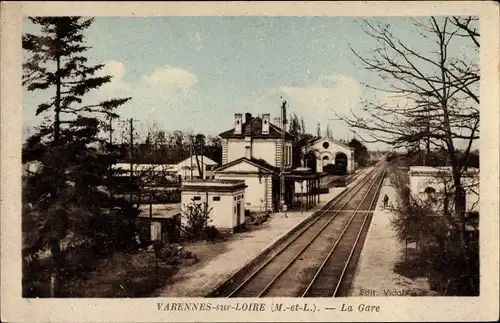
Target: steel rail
{"type": "Point", "coordinates": [354, 189]}
{"type": "Point", "coordinates": [379, 178]}
{"type": "Point", "coordinates": [301, 252]}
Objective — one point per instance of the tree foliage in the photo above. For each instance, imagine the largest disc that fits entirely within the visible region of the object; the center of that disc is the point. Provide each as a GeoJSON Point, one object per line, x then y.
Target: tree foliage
{"type": "Point", "coordinates": [72, 184]}
{"type": "Point", "coordinates": [301, 139]}
{"type": "Point", "coordinates": [434, 96]}
{"type": "Point", "coordinates": [361, 155]}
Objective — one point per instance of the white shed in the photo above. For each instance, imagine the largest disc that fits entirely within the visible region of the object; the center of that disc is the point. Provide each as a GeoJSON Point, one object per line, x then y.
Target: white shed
{"type": "Point", "coordinates": [225, 198]}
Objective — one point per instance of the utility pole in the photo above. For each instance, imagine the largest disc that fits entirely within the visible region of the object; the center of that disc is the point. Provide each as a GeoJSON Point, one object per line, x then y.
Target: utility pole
{"type": "Point", "coordinates": [191, 158]}
{"type": "Point", "coordinates": [130, 156]}
{"type": "Point", "coordinates": [283, 155]}
{"type": "Point", "coordinates": [201, 153]}
{"type": "Point", "coordinates": [110, 188]}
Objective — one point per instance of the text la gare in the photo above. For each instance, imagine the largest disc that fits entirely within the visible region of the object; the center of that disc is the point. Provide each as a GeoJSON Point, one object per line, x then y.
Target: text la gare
{"type": "Point", "coordinates": [360, 308]}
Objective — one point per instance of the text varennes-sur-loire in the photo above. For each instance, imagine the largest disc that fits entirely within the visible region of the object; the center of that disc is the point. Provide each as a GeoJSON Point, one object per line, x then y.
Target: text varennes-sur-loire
{"type": "Point", "coordinates": [201, 306]}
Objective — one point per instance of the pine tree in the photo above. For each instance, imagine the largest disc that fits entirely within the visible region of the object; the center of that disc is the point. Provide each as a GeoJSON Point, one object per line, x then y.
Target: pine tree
{"type": "Point", "coordinates": [71, 188]}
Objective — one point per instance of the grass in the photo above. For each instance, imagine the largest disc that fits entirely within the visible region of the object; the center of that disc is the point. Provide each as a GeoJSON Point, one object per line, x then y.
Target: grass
{"type": "Point", "coordinates": [119, 275]}
{"type": "Point", "coordinates": [123, 275]}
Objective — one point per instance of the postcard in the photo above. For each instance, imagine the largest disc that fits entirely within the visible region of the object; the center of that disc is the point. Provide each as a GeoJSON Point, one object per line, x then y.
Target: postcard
{"type": "Point", "coordinates": [249, 161]}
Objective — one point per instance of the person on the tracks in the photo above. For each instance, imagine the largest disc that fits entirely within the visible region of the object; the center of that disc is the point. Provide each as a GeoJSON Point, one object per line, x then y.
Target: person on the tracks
{"type": "Point", "coordinates": [386, 200]}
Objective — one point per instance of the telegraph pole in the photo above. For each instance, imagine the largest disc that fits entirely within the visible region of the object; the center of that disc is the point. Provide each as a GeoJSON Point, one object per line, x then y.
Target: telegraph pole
{"type": "Point", "coordinates": [191, 157]}
{"type": "Point", "coordinates": [110, 185]}
{"type": "Point", "coordinates": [130, 155]}
{"type": "Point", "coordinates": [201, 153]}
{"type": "Point", "coordinates": [283, 155]}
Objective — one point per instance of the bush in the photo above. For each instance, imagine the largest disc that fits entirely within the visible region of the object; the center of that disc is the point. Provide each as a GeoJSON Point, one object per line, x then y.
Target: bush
{"type": "Point", "coordinates": [173, 254]}
{"type": "Point", "coordinates": [211, 233]}
{"type": "Point", "coordinates": [196, 220]}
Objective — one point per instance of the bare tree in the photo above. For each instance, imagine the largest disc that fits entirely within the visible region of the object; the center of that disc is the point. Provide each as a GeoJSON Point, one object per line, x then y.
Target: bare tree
{"type": "Point", "coordinates": [437, 89]}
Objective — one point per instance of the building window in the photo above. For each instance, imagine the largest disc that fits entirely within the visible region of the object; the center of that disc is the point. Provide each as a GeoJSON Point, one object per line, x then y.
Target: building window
{"type": "Point", "coordinates": [197, 198]}
{"type": "Point", "coordinates": [216, 198]}
{"type": "Point", "coordinates": [288, 155]}
{"type": "Point", "coordinates": [326, 145]}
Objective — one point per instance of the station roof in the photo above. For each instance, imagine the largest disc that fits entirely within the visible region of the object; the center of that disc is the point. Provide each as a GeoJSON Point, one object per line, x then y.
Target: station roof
{"type": "Point", "coordinates": [253, 128]}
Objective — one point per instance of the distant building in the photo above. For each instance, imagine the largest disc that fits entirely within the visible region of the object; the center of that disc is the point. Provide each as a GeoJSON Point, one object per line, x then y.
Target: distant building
{"type": "Point", "coordinates": [430, 183]}
{"type": "Point", "coordinates": [187, 169]}
{"type": "Point", "coordinates": [224, 198]}
{"type": "Point", "coordinates": [322, 152]}
{"type": "Point", "coordinates": [161, 173]}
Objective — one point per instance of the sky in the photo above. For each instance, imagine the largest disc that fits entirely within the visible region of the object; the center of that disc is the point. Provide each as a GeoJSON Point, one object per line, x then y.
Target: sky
{"type": "Point", "coordinates": [194, 73]}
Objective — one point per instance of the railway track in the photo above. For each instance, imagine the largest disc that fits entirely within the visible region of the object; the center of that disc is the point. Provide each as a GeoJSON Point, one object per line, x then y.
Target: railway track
{"type": "Point", "coordinates": [353, 178]}
{"type": "Point", "coordinates": [298, 266]}
{"type": "Point", "coordinates": [350, 179]}
{"type": "Point", "coordinates": [329, 278]}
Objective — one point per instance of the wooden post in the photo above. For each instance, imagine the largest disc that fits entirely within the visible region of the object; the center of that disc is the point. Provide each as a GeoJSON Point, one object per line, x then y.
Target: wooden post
{"type": "Point", "coordinates": [130, 155]}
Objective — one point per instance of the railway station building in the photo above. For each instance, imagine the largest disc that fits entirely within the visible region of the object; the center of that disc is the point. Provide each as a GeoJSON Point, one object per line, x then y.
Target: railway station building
{"type": "Point", "coordinates": [256, 151]}
{"type": "Point", "coordinates": [321, 152]}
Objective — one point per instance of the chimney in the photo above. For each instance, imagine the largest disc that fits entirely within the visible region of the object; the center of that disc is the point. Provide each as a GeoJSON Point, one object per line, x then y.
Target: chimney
{"type": "Point", "coordinates": [237, 123]}
{"type": "Point", "coordinates": [248, 117]}
{"type": "Point", "coordinates": [277, 121]}
{"type": "Point", "coordinates": [265, 123]}
{"type": "Point", "coordinates": [248, 152]}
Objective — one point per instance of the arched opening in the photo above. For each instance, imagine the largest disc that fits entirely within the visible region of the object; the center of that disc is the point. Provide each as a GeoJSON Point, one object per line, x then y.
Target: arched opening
{"type": "Point", "coordinates": [341, 162]}
{"type": "Point", "coordinates": [325, 160]}
{"type": "Point", "coordinates": [341, 158]}
{"type": "Point", "coordinates": [310, 162]}
{"type": "Point", "coordinates": [431, 193]}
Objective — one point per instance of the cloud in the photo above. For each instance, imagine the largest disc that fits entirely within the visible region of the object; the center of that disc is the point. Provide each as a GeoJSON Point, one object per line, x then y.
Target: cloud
{"type": "Point", "coordinates": [328, 94]}
{"type": "Point", "coordinates": [316, 102]}
{"type": "Point", "coordinates": [166, 88]}
{"type": "Point", "coordinates": [171, 78]}
{"type": "Point", "coordinates": [117, 71]}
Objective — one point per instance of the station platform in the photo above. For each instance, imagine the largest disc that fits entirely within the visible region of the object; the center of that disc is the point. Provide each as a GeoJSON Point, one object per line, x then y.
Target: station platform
{"type": "Point", "coordinates": [374, 275]}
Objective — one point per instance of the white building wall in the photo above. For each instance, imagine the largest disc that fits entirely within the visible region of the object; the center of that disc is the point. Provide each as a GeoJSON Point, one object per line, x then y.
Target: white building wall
{"type": "Point", "coordinates": [264, 149]}
{"type": "Point", "coordinates": [256, 191]}
{"type": "Point", "coordinates": [236, 149]}
{"type": "Point", "coordinates": [418, 184]}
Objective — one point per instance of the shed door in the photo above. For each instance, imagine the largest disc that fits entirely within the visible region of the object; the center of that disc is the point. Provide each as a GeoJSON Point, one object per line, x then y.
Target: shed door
{"type": "Point", "coordinates": [238, 214]}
